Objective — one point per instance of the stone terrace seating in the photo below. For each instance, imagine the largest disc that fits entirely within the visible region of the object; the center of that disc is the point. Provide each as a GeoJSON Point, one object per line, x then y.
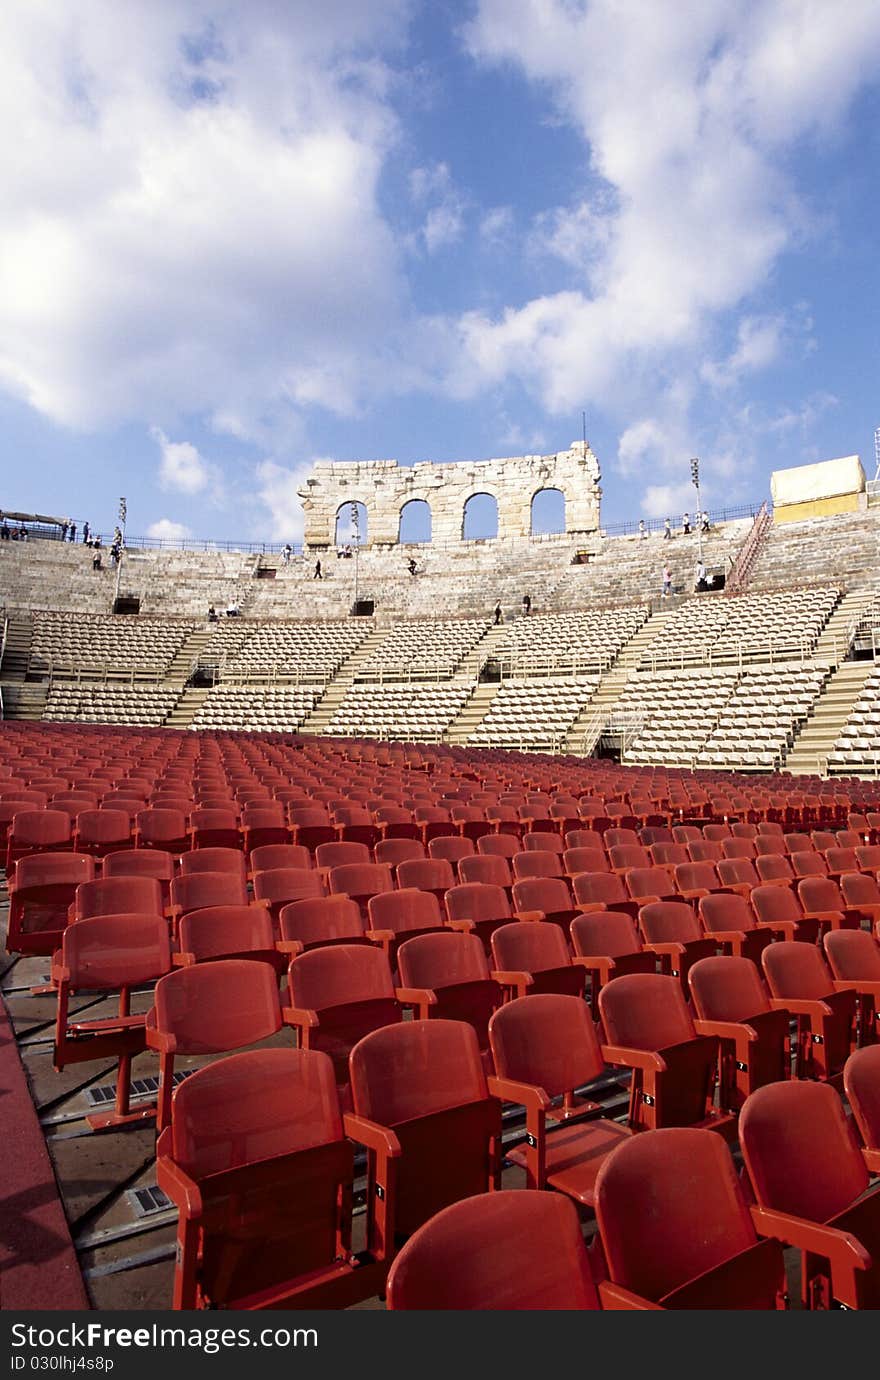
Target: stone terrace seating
{"type": "Point", "coordinates": [111, 704]}
{"type": "Point", "coordinates": [105, 645]}
{"type": "Point", "coordinates": [842, 548]}
{"type": "Point", "coordinates": [427, 649]}
{"type": "Point", "coordinates": [417, 712]}
{"type": "Point", "coordinates": [858, 747]}
{"type": "Point", "coordinates": [533, 714]}
{"type": "Point", "coordinates": [588, 639]}
{"type": "Point", "coordinates": [679, 708]}
{"type": "Point", "coordinates": [296, 651]}
{"type": "Point", "coordinates": [757, 627]}
{"type": "Point", "coordinates": [269, 709]}
{"type": "Point", "coordinates": [758, 724]}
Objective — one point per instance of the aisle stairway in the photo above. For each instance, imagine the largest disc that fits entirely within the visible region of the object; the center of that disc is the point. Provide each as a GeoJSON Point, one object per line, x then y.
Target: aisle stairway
{"type": "Point", "coordinates": [612, 685]}
{"type": "Point", "coordinates": [184, 711]}
{"type": "Point", "coordinates": [17, 649]}
{"type": "Point", "coordinates": [812, 746]}
{"type": "Point", "coordinates": [834, 642]}
{"type": "Point", "coordinates": [342, 682]}
{"type": "Point", "coordinates": [473, 711]}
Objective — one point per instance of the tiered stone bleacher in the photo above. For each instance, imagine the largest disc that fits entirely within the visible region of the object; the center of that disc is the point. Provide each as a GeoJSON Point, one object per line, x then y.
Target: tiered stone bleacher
{"type": "Point", "coordinates": [579, 641]}
{"type": "Point", "coordinates": [534, 714]}
{"type": "Point", "coordinates": [775, 625]}
{"type": "Point", "coordinates": [841, 549]}
{"type": "Point", "coordinates": [678, 710]}
{"type": "Point", "coordinates": [857, 750]}
{"type": "Point", "coordinates": [292, 651]}
{"type": "Point", "coordinates": [264, 708]}
{"type": "Point", "coordinates": [424, 649]}
{"type": "Point", "coordinates": [758, 723]}
{"type": "Point", "coordinates": [418, 713]}
{"type": "Point", "coordinates": [110, 704]}
{"type": "Point", "coordinates": [107, 646]}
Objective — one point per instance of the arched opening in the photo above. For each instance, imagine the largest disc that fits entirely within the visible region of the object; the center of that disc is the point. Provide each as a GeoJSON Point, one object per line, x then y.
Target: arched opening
{"type": "Point", "coordinates": [351, 524]}
{"type": "Point", "coordinates": [415, 521]}
{"type": "Point", "coordinates": [480, 518]}
{"type": "Point", "coordinates": [548, 512]}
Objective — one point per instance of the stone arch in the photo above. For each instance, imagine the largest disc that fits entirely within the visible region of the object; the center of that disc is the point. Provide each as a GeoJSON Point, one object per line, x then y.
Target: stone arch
{"type": "Point", "coordinates": [548, 515]}
{"type": "Point", "coordinates": [344, 530]}
{"type": "Point", "coordinates": [479, 517]}
{"type": "Point", "coordinates": [415, 522]}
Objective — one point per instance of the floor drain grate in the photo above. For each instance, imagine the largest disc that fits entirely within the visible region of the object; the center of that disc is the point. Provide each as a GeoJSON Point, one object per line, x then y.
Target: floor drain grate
{"type": "Point", "coordinates": [104, 1095]}
{"type": "Point", "coordinates": [146, 1202]}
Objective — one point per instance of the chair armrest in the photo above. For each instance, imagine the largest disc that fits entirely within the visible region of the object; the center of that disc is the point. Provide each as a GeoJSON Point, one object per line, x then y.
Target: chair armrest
{"type": "Point", "coordinates": [183, 960]}
{"type": "Point", "coordinates": [519, 981]}
{"type": "Point", "coordinates": [370, 1134]}
{"type": "Point", "coordinates": [289, 946]}
{"type": "Point", "coordinates": [647, 1059]}
{"type": "Point", "coordinates": [800, 1008]}
{"type": "Point", "coordinates": [301, 1017]}
{"type": "Point", "coordinates": [527, 1095]}
{"type": "Point", "coordinates": [529, 915]}
{"type": "Point", "coordinates": [841, 1249]}
{"type": "Point", "coordinates": [614, 1298]}
{"type": "Point", "coordinates": [726, 1030]}
{"type": "Point", "coordinates": [461, 926]}
{"type": "Point", "coordinates": [183, 1190]}
{"type": "Point", "coordinates": [422, 998]}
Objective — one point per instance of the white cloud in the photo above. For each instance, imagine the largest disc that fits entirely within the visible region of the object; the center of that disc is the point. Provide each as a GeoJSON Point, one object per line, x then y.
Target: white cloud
{"type": "Point", "coordinates": [167, 530]}
{"type": "Point", "coordinates": [180, 205]}
{"type": "Point", "coordinates": [279, 509]}
{"type": "Point", "coordinates": [432, 187]}
{"type": "Point", "coordinates": [181, 467]}
{"type": "Point", "coordinates": [688, 112]}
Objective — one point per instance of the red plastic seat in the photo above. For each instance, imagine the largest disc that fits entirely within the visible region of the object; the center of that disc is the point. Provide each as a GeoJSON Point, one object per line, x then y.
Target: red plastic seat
{"type": "Point", "coordinates": [214, 828]}
{"type": "Point", "coordinates": [704, 850]}
{"type": "Point", "coordinates": [585, 838]}
{"type": "Point", "coordinates": [655, 1199]}
{"type": "Point", "coordinates": [774, 869]}
{"type": "Point", "coordinates": [625, 856]}
{"type": "Point", "coordinates": [108, 953]}
{"type": "Point", "coordinates": [822, 901]}
{"type": "Point", "coordinates": [541, 841]}
{"type": "Point", "coordinates": [602, 891]}
{"type": "Point", "coordinates": [361, 881]}
{"type": "Point", "coordinates": [668, 854]}
{"type": "Point", "coordinates": [693, 880]}
{"type": "Point", "coordinates": [209, 1008]}
{"type": "Point", "coordinates": [432, 820]}
{"type": "Point", "coordinates": [545, 1047]}
{"type": "Point", "coordinates": [729, 920]}
{"type": "Point", "coordinates": [41, 892]}
{"type": "Point", "coordinates": [617, 837]}
{"type": "Point", "coordinates": [117, 895]}
{"type": "Point", "coordinates": [868, 856]}
{"type": "Point", "coordinates": [395, 822]}
{"type": "Point", "coordinates": [73, 802]}
{"type": "Point", "coordinates": [423, 1081]}
{"type": "Point", "coordinates": [840, 860]}
{"type": "Point", "coordinates": [269, 856]}
{"type": "Point", "coordinates": [310, 825]}
{"type": "Point", "coordinates": [498, 846]}
{"type": "Point", "coordinates": [577, 860]}
{"type": "Point", "coordinates": [536, 864]}
{"type": "Point", "coordinates": [716, 833]}
{"type": "Point", "coordinates": [737, 874]}
{"type": "Point", "coordinates": [340, 853]}
{"type": "Point", "coordinates": [451, 847]}
{"type": "Point", "coordinates": [504, 820]}
{"type": "Point", "coordinates": [506, 1250]}
{"type": "Point", "coordinates": [162, 828]}
{"type": "Point", "coordinates": [862, 893]}
{"type": "Point", "coordinates": [196, 890]}
{"type": "Point", "coordinates": [861, 1083]}
{"type": "Point", "coordinates": [320, 920]}
{"type": "Point", "coordinates": [260, 1164]}
{"type": "Point", "coordinates": [737, 848]}
{"type": "Point", "coordinates": [807, 1175]}
{"type": "Point", "coordinates": [544, 898]}
{"type": "Point", "coordinates": [228, 932]}
{"type": "Point", "coordinates": [854, 959]}
{"type": "Point", "coordinates": [37, 831]}
{"type": "Point", "coordinates": [101, 831]}
{"type": "Point", "coordinates": [648, 1028]}
{"type": "Point", "coordinates": [800, 982]}
{"type": "Point", "coordinates": [529, 958]}
{"type": "Point", "coordinates": [672, 932]}
{"type": "Point", "coordinates": [607, 944]}
{"type": "Point", "coordinates": [477, 908]}
{"type": "Point", "coordinates": [142, 862]}
{"type": "Point", "coordinates": [427, 874]}
{"type": "Point", "coordinates": [731, 1002]}
{"type": "Point", "coordinates": [486, 870]}
{"type": "Point", "coordinates": [686, 833]}
{"type": "Point", "coordinates": [219, 859]}
{"type": "Point", "coordinates": [395, 916]}
{"type": "Point", "coordinates": [396, 850]}
{"type": "Point", "coordinates": [446, 976]}
{"type": "Point", "coordinates": [809, 864]}
{"type": "Point", "coordinates": [781, 912]}
{"type": "Point", "coordinates": [646, 884]}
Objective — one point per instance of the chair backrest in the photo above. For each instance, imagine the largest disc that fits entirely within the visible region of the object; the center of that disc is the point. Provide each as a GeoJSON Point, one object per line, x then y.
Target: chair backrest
{"type": "Point", "coordinates": [705, 850]}
{"type": "Point", "coordinates": [339, 975]}
{"type": "Point", "coordinates": [498, 845]}
{"type": "Point", "coordinates": [853, 955]}
{"type": "Point", "coordinates": [229, 860]}
{"type": "Point", "coordinates": [774, 867]}
{"type": "Point", "coordinates": [809, 864]}
{"type": "Point", "coordinates": [393, 851]}
{"type": "Point", "coordinates": [321, 920]}
{"type": "Point", "coordinates": [796, 970]}
{"type": "Point", "coordinates": [820, 894]}
{"type": "Point", "coordinates": [442, 960]}
{"type": "Point", "coordinates": [139, 862]}
{"type": "Point", "coordinates": [426, 874]}
{"type": "Point", "coordinates": [624, 856]}
{"type": "Point", "coordinates": [799, 1150]}
{"type": "Point", "coordinates": [102, 826]}
{"type": "Point", "coordinates": [40, 829]}
{"type": "Point", "coordinates": [528, 947]}
{"type": "Point", "coordinates": [105, 952]}
{"type": "Point", "coordinates": [450, 847]}
{"type": "Point", "coordinates": [860, 889]}
{"type": "Point", "coordinates": [341, 852]}
{"type": "Point", "coordinates": [726, 988]}
{"type": "Point", "coordinates": [738, 848]}
{"type": "Point", "coordinates": [218, 1006]}
{"type": "Point", "coordinates": [282, 884]}
{"type": "Point", "coordinates": [773, 904]}
{"type": "Point", "coordinates": [605, 934]}
{"type": "Point", "coordinates": [270, 856]}
{"type": "Point", "coordinates": [198, 889]}
{"type": "Point", "coordinates": [361, 879]}
{"type": "Point", "coordinates": [477, 901]}
{"type": "Point", "coordinates": [649, 881]}
{"type": "Point", "coordinates": [599, 889]}
{"type": "Point", "coordinates": [157, 826]}
{"type": "Point", "coordinates": [507, 1250]}
{"type": "Point", "coordinates": [645, 1011]}
{"type": "Point", "coordinates": [737, 872]}
{"type": "Point", "coordinates": [113, 895]}
{"type": "Point", "coordinates": [861, 1083]}
{"type": "Point", "coordinates": [669, 922]}
{"type": "Point", "coordinates": [548, 1040]}
{"type": "Point", "coordinates": [724, 911]}
{"type": "Point", "coordinates": [414, 1069]}
{"type": "Point", "coordinates": [226, 931]}
{"type": "Point", "coordinates": [542, 841]}
{"type": "Point", "coordinates": [404, 911]}
{"type": "Point", "coordinates": [670, 1209]}
{"type": "Point", "coordinates": [548, 894]}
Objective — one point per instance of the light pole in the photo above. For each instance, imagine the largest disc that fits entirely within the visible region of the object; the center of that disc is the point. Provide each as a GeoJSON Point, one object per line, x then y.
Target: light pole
{"type": "Point", "coordinates": [356, 534]}
{"type": "Point", "coordinates": [695, 476]}
{"type": "Point", "coordinates": [123, 510]}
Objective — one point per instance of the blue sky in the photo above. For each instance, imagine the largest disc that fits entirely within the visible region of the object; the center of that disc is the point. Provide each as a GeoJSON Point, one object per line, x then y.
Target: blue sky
{"type": "Point", "coordinates": [240, 237]}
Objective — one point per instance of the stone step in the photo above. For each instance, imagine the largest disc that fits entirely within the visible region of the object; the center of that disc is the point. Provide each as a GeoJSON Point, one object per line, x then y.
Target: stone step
{"type": "Point", "coordinates": [812, 746]}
